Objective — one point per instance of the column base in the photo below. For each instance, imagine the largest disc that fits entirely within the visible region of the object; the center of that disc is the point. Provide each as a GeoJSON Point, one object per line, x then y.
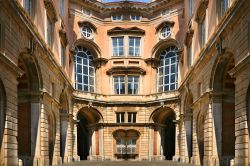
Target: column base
{"type": "Point", "coordinates": [76, 158]}
{"type": "Point", "coordinates": [184, 159]}
{"type": "Point", "coordinates": [176, 158]}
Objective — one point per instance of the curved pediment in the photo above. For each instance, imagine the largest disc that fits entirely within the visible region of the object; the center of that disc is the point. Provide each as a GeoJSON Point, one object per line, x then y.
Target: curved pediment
{"type": "Point", "coordinates": [126, 70]}
{"type": "Point", "coordinates": [90, 45]}
{"type": "Point", "coordinates": [163, 24]}
{"type": "Point", "coordinates": [120, 30]}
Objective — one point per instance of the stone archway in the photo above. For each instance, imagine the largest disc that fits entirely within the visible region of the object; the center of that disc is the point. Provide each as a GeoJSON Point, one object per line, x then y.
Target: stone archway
{"type": "Point", "coordinates": [88, 133]}
{"type": "Point", "coordinates": [223, 101]}
{"type": "Point", "coordinates": [2, 119]}
{"type": "Point", "coordinates": [164, 133]}
{"type": "Point", "coordinates": [28, 113]}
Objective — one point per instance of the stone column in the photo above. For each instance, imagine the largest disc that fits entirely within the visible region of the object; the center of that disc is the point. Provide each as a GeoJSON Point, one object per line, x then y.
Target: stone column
{"type": "Point", "coordinates": [35, 132]}
{"type": "Point", "coordinates": [177, 142]}
{"type": "Point", "coordinates": [215, 115]}
{"type": "Point", "coordinates": [74, 139]}
{"type": "Point", "coordinates": [195, 158]}
{"type": "Point", "coordinates": [64, 127]}
{"type": "Point", "coordinates": [187, 119]}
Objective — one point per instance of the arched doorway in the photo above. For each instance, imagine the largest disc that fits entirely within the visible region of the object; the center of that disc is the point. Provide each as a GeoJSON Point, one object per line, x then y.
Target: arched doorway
{"type": "Point", "coordinates": [164, 122]}
{"type": "Point", "coordinates": [126, 144]}
{"type": "Point", "coordinates": [88, 133]}
{"type": "Point", "coordinates": [188, 123]}
{"type": "Point", "coordinates": [200, 136]}
{"type": "Point", "coordinates": [224, 108]}
{"type": "Point", "coordinates": [28, 109]}
{"type": "Point", "coordinates": [2, 119]}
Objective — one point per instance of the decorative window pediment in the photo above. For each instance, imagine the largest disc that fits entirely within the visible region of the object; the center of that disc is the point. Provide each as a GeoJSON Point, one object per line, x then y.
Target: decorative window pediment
{"type": "Point", "coordinates": [201, 11]}
{"type": "Point", "coordinates": [51, 10]}
{"type": "Point", "coordinates": [120, 30]}
{"type": "Point", "coordinates": [87, 24]}
{"type": "Point", "coordinates": [126, 70]}
{"type": "Point", "coordinates": [164, 24]}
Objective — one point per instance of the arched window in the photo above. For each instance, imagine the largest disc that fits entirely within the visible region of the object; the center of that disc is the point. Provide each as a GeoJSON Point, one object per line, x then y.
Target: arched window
{"type": "Point", "coordinates": [84, 70]}
{"type": "Point", "coordinates": [168, 70]}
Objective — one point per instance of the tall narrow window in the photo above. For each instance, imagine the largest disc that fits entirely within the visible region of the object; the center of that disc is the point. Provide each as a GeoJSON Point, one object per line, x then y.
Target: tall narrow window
{"type": "Point", "coordinates": [120, 117]}
{"type": "Point", "coordinates": [62, 11]}
{"type": "Point", "coordinates": [190, 10]}
{"type": "Point", "coordinates": [50, 32]}
{"type": "Point", "coordinates": [132, 117]}
{"type": "Point", "coordinates": [134, 46]}
{"type": "Point", "coordinates": [189, 55]}
{"type": "Point", "coordinates": [168, 70]}
{"type": "Point", "coordinates": [224, 4]}
{"type": "Point", "coordinates": [133, 84]}
{"type": "Point", "coordinates": [202, 32]}
{"type": "Point", "coordinates": [27, 4]}
{"type": "Point", "coordinates": [118, 46]}
{"type": "Point", "coordinates": [84, 70]}
{"type": "Point", "coordinates": [119, 84]}
{"type": "Point", "coordinates": [63, 56]}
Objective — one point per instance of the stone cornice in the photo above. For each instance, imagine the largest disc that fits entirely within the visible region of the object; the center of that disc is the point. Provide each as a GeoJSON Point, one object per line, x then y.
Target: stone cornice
{"type": "Point", "coordinates": [126, 70]}
{"type": "Point", "coordinates": [37, 38]}
{"type": "Point", "coordinates": [213, 39]}
{"type": "Point", "coordinates": [128, 5]}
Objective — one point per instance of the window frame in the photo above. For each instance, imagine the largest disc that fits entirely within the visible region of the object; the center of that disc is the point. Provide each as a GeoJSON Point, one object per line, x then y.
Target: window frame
{"type": "Point", "coordinates": [63, 56]}
{"type": "Point", "coordinates": [28, 8]}
{"type": "Point", "coordinates": [223, 6]}
{"type": "Point", "coordinates": [132, 117]}
{"type": "Point", "coordinates": [136, 20]}
{"type": "Point", "coordinates": [62, 9]}
{"type": "Point", "coordinates": [120, 117]}
{"type": "Point", "coordinates": [134, 47]}
{"type": "Point", "coordinates": [190, 8]}
{"type": "Point", "coordinates": [165, 78]}
{"type": "Point", "coordinates": [118, 47]}
{"type": "Point", "coordinates": [117, 15]}
{"type": "Point", "coordinates": [165, 34]}
{"type": "Point", "coordinates": [82, 74]}
{"type": "Point", "coordinates": [189, 55]}
{"type": "Point", "coordinates": [126, 84]}
{"type": "Point", "coordinates": [50, 29]}
{"type": "Point", "coordinates": [86, 32]}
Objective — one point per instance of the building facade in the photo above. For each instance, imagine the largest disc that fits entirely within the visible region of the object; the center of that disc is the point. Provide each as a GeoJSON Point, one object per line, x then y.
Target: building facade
{"type": "Point", "coordinates": [124, 80]}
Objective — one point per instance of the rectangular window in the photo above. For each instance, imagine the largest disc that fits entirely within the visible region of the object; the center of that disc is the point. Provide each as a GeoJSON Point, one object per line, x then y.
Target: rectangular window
{"type": "Point", "coordinates": [117, 17]}
{"type": "Point", "coordinates": [132, 117]}
{"type": "Point", "coordinates": [52, 89]}
{"type": "Point", "coordinates": [224, 4]}
{"type": "Point", "coordinates": [63, 56]}
{"type": "Point", "coordinates": [50, 32]}
{"type": "Point", "coordinates": [119, 85]}
{"type": "Point", "coordinates": [27, 4]}
{"type": "Point", "coordinates": [203, 32]}
{"type": "Point", "coordinates": [62, 10]}
{"type": "Point", "coordinates": [190, 5]}
{"type": "Point", "coordinates": [199, 89]}
{"type": "Point", "coordinates": [133, 84]}
{"type": "Point", "coordinates": [134, 46]}
{"type": "Point", "coordinates": [120, 146]}
{"type": "Point", "coordinates": [135, 17]}
{"type": "Point", "coordinates": [118, 46]}
{"type": "Point", "coordinates": [189, 55]}
{"type": "Point", "coordinates": [120, 117]}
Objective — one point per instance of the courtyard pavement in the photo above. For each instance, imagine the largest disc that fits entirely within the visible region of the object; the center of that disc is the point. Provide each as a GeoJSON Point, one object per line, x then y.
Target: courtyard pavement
{"type": "Point", "coordinates": [127, 163]}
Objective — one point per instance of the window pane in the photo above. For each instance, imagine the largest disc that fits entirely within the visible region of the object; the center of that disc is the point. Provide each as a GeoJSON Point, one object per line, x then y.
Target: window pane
{"type": "Point", "coordinates": [84, 71]}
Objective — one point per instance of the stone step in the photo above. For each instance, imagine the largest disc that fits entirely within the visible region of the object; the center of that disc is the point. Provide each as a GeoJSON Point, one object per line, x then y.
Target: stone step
{"type": "Point", "coordinates": [127, 163]}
